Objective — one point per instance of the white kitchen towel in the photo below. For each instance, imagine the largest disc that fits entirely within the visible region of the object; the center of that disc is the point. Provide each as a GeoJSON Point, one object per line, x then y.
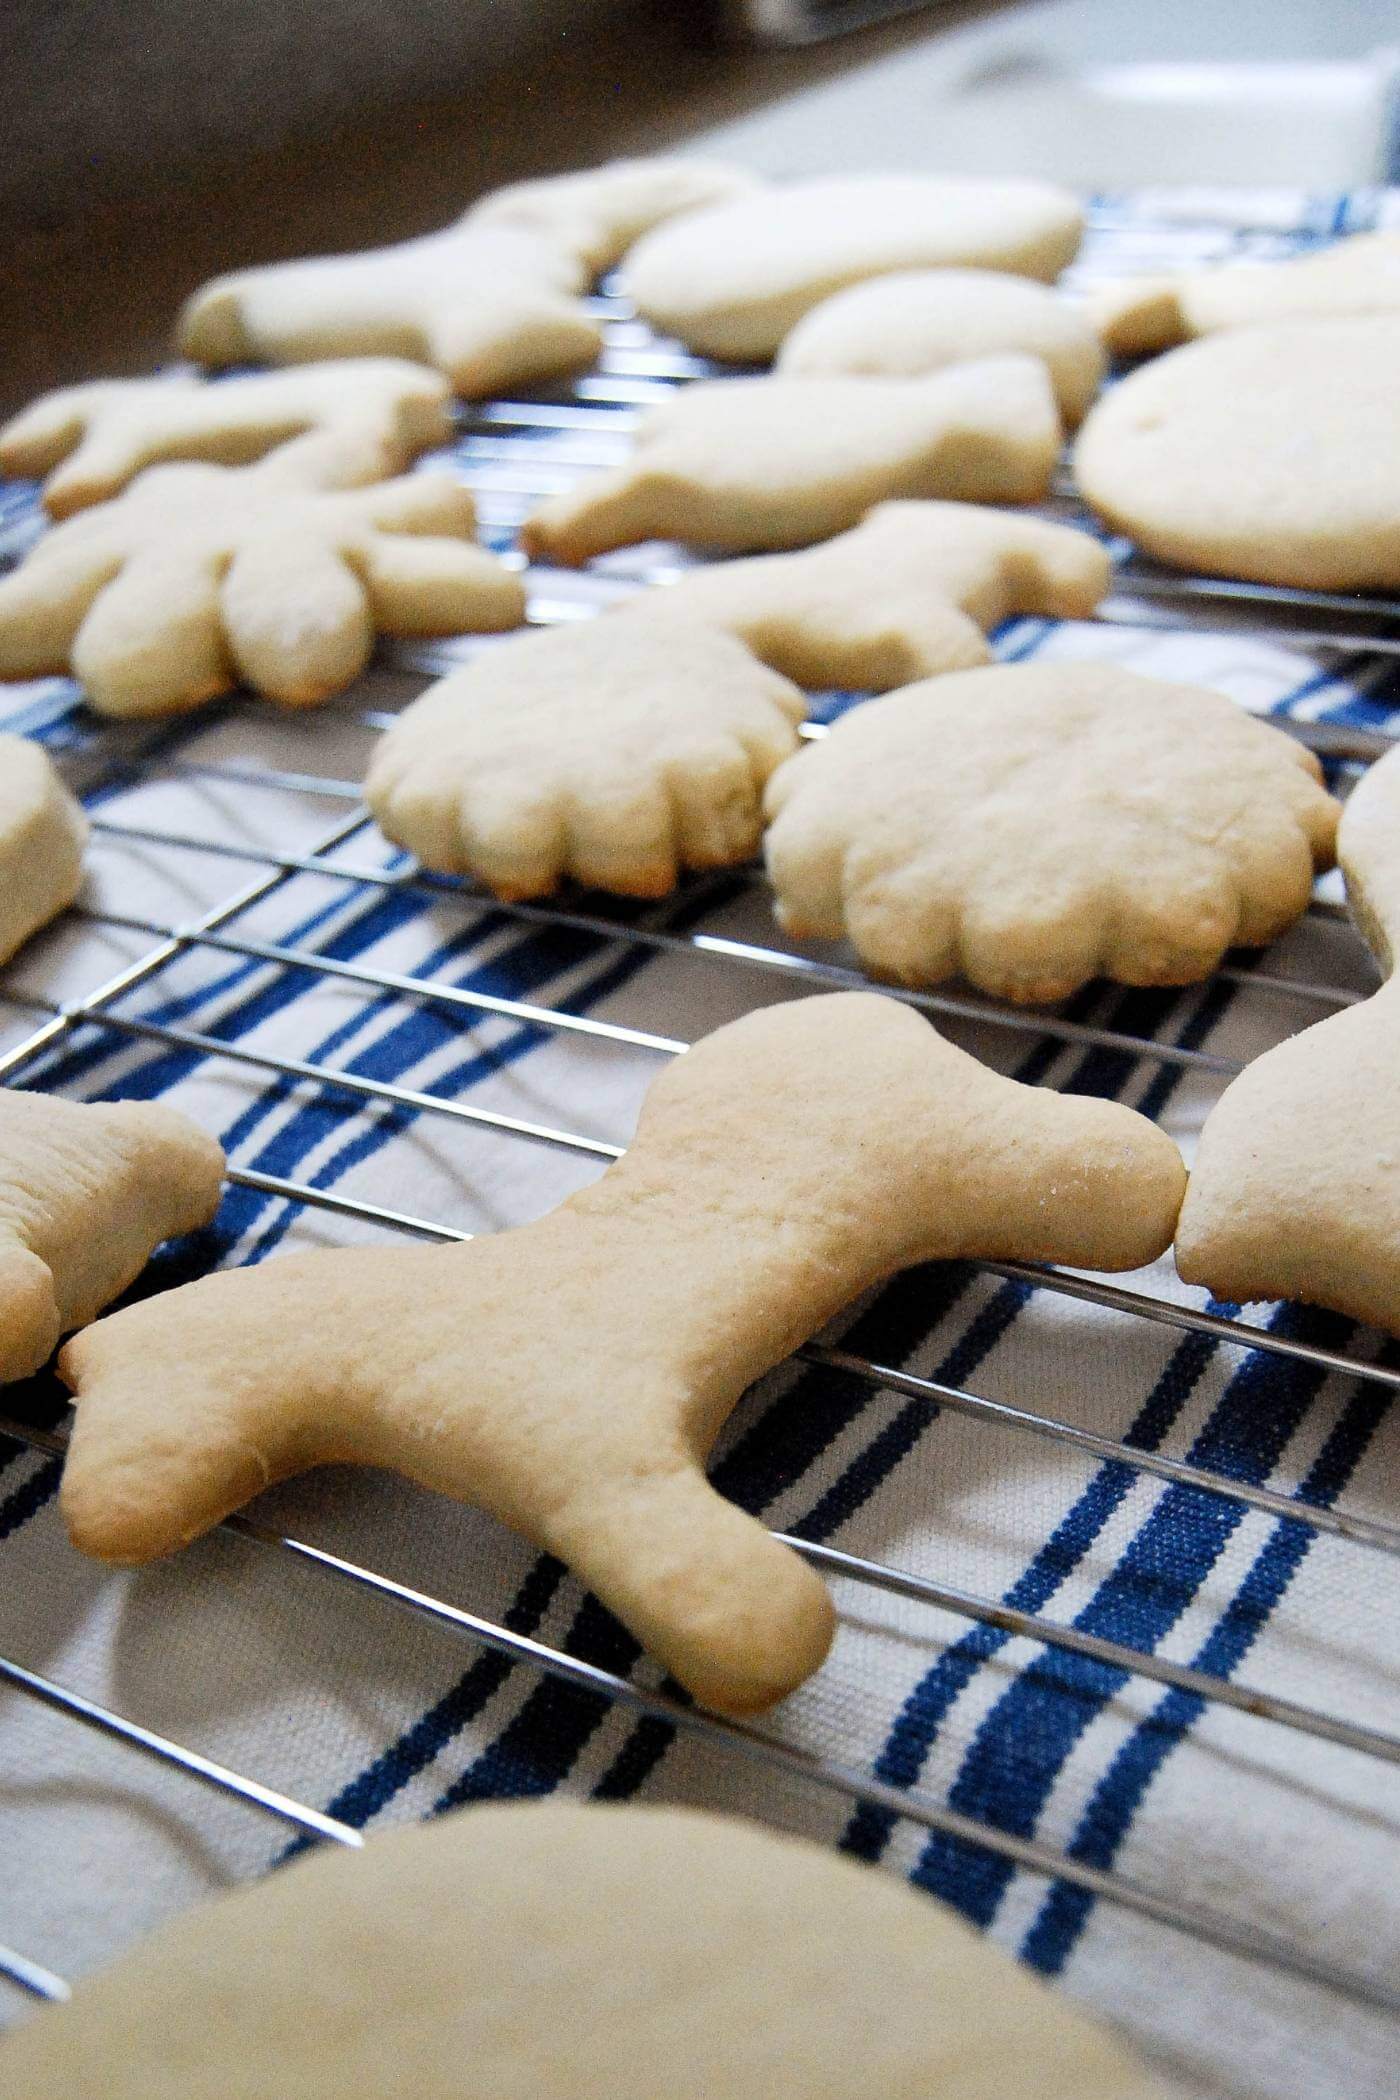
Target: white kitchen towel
{"type": "Point", "coordinates": [313, 1687]}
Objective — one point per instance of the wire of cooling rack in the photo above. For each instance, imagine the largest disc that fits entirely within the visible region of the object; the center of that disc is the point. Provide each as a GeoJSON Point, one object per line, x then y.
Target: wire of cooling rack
{"type": "Point", "coordinates": [211, 930]}
{"type": "Point", "coordinates": [635, 370]}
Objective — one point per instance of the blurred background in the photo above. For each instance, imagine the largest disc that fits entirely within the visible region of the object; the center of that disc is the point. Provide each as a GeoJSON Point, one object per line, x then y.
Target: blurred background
{"type": "Point", "coordinates": [151, 145]}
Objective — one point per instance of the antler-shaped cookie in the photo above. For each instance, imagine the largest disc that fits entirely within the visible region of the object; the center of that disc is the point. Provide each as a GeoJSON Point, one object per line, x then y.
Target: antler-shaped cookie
{"type": "Point", "coordinates": [1139, 315]}
{"type": "Point", "coordinates": [200, 576]}
{"type": "Point", "coordinates": [919, 321]}
{"type": "Point", "coordinates": [1035, 825]}
{"type": "Point", "coordinates": [42, 835]}
{"type": "Point", "coordinates": [87, 1192]}
{"type": "Point", "coordinates": [617, 751]}
{"type": "Point", "coordinates": [779, 462]}
{"type": "Point", "coordinates": [96, 437]}
{"type": "Point", "coordinates": [492, 301]}
{"type": "Point", "coordinates": [571, 1375]}
{"type": "Point", "coordinates": [1296, 1188]}
{"type": "Point", "coordinates": [910, 592]}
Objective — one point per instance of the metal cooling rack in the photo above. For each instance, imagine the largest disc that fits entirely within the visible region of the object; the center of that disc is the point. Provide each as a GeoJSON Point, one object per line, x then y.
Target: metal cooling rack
{"type": "Point", "coordinates": [507, 476]}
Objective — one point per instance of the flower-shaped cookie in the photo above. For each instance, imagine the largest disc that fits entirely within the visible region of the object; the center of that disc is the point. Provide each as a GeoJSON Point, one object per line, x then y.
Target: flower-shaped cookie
{"type": "Point", "coordinates": [1035, 826]}
{"type": "Point", "coordinates": [96, 437]}
{"type": "Point", "coordinates": [617, 751]}
{"type": "Point", "coordinates": [198, 577]}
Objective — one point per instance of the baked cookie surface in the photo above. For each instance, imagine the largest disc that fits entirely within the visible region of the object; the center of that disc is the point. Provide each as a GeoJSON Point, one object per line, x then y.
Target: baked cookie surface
{"type": "Point", "coordinates": [91, 440]}
{"type": "Point", "coordinates": [197, 577]}
{"type": "Point", "coordinates": [42, 835]}
{"type": "Point", "coordinates": [1295, 1191]}
{"type": "Point", "coordinates": [1267, 453]}
{"type": "Point", "coordinates": [492, 300]}
{"type": "Point", "coordinates": [1033, 826]}
{"type": "Point", "coordinates": [491, 306]}
{"type": "Point", "coordinates": [1357, 276]}
{"type": "Point", "coordinates": [910, 591]}
{"type": "Point", "coordinates": [731, 282]}
{"type": "Point", "coordinates": [88, 1190]}
{"type": "Point", "coordinates": [920, 321]}
{"type": "Point", "coordinates": [780, 462]}
{"type": "Point", "coordinates": [597, 214]}
{"type": "Point", "coordinates": [570, 1376]}
{"type": "Point", "coordinates": [564, 1952]}
{"type": "Point", "coordinates": [615, 751]}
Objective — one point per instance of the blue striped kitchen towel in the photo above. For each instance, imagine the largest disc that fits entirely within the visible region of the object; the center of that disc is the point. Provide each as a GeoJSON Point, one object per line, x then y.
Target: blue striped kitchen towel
{"type": "Point", "coordinates": [332, 1696]}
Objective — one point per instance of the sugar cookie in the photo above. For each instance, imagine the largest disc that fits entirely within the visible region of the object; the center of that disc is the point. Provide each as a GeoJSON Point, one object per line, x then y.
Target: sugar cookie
{"type": "Point", "coordinates": [492, 301]}
{"type": "Point", "coordinates": [911, 591]}
{"type": "Point", "coordinates": [1139, 315]}
{"type": "Point", "coordinates": [616, 751]}
{"type": "Point", "coordinates": [571, 1375]}
{"type": "Point", "coordinates": [1033, 826]}
{"type": "Point", "coordinates": [564, 1951]}
{"type": "Point", "coordinates": [493, 307]}
{"type": "Point", "coordinates": [732, 281]}
{"type": "Point", "coordinates": [96, 437]}
{"type": "Point", "coordinates": [42, 835]}
{"type": "Point", "coordinates": [1296, 1187]}
{"type": "Point", "coordinates": [1266, 453]}
{"type": "Point", "coordinates": [598, 214]}
{"type": "Point", "coordinates": [751, 463]}
{"type": "Point", "coordinates": [197, 577]}
{"type": "Point", "coordinates": [920, 321]}
{"type": "Point", "coordinates": [87, 1192]}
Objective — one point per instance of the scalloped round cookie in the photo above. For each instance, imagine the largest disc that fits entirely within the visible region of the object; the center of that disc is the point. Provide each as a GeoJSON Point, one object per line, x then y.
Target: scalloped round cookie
{"type": "Point", "coordinates": [733, 280]}
{"type": "Point", "coordinates": [556, 1951]}
{"type": "Point", "coordinates": [1271, 454]}
{"type": "Point", "coordinates": [918, 321]}
{"type": "Point", "coordinates": [1033, 826]}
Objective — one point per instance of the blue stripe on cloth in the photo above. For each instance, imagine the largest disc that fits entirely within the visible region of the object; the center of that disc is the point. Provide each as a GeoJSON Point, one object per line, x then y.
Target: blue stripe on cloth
{"type": "Point", "coordinates": [364, 924]}
{"type": "Point", "coordinates": [793, 1432]}
{"type": "Point", "coordinates": [539, 957]}
{"type": "Point", "coordinates": [1116, 1800]}
{"type": "Point", "coordinates": [1025, 1740]}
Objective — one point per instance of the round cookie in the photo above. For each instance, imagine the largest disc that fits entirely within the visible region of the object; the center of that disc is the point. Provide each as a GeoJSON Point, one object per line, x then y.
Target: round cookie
{"type": "Point", "coordinates": [918, 321]}
{"type": "Point", "coordinates": [564, 1952]}
{"type": "Point", "coordinates": [1033, 826]}
{"type": "Point", "coordinates": [1271, 454]}
{"type": "Point", "coordinates": [732, 281]}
